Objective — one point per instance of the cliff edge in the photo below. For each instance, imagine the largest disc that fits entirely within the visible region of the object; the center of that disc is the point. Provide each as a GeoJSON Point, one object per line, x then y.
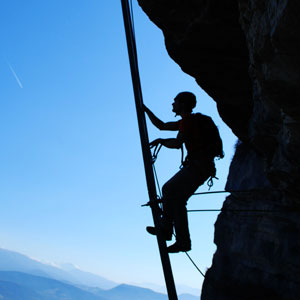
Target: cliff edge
{"type": "Point", "coordinates": [246, 55]}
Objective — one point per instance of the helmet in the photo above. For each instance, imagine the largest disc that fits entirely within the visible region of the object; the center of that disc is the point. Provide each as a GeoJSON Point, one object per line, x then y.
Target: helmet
{"type": "Point", "coordinates": [187, 100]}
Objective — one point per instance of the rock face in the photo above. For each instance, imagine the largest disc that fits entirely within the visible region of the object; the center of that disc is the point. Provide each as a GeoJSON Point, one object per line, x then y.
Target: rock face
{"type": "Point", "coordinates": [246, 55]}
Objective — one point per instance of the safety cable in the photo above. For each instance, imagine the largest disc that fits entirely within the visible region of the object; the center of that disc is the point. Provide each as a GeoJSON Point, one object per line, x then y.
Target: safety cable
{"type": "Point", "coordinates": [192, 261]}
{"type": "Point", "coordinates": [214, 192]}
{"type": "Point", "coordinates": [236, 191]}
{"type": "Point", "coordinates": [195, 264]}
{"type": "Point", "coordinates": [154, 158]}
{"type": "Point", "coordinates": [231, 210]}
{"type": "Point", "coordinates": [242, 210]}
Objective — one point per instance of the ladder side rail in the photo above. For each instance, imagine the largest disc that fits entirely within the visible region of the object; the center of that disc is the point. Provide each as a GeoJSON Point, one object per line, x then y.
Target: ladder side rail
{"type": "Point", "coordinates": [170, 284]}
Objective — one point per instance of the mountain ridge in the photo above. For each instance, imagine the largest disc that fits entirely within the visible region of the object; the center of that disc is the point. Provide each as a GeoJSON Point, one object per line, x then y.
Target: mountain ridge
{"type": "Point", "coordinates": [15, 261]}
{"type": "Point", "coordinates": [66, 278]}
{"type": "Point", "coordinates": [22, 286]}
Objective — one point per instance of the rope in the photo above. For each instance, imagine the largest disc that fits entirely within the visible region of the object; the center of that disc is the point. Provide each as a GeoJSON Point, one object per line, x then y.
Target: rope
{"type": "Point", "coordinates": [192, 261]}
{"type": "Point", "coordinates": [154, 157]}
{"type": "Point", "coordinates": [195, 264]}
{"type": "Point", "coordinates": [155, 153]}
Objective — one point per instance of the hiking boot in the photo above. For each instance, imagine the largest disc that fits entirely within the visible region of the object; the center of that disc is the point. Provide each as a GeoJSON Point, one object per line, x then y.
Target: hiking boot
{"type": "Point", "coordinates": [179, 247]}
{"type": "Point", "coordinates": [166, 234]}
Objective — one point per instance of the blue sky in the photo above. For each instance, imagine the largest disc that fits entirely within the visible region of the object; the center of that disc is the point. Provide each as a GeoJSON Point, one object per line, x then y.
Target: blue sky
{"type": "Point", "coordinates": [72, 179]}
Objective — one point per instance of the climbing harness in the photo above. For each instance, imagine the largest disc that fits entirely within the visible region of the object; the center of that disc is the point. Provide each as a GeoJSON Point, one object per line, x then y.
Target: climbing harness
{"type": "Point", "coordinates": [209, 182]}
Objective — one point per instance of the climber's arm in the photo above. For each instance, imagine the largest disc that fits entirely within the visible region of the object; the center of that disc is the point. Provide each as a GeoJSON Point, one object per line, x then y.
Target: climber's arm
{"type": "Point", "coordinates": [173, 143]}
{"type": "Point", "coordinates": [173, 126]}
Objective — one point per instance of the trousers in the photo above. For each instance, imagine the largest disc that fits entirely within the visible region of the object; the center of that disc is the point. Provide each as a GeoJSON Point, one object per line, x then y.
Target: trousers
{"type": "Point", "coordinates": [175, 194]}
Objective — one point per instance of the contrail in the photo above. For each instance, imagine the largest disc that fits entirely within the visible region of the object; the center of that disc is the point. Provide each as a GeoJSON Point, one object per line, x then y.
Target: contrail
{"type": "Point", "coordinates": [15, 75]}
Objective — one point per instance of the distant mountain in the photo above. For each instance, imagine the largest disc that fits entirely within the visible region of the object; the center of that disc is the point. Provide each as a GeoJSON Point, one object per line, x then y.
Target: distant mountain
{"type": "Point", "coordinates": [21, 286]}
{"type": "Point", "coordinates": [181, 289]}
{"type": "Point", "coordinates": [188, 297]}
{"type": "Point", "coordinates": [130, 292]}
{"type": "Point", "coordinates": [13, 261]}
{"type": "Point", "coordinates": [21, 275]}
{"type": "Point", "coordinates": [188, 291]}
{"type": "Point", "coordinates": [12, 291]}
{"type": "Point", "coordinates": [87, 278]}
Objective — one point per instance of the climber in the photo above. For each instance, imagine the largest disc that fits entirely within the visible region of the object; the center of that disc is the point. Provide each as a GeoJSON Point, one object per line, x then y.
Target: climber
{"type": "Point", "coordinates": [201, 138]}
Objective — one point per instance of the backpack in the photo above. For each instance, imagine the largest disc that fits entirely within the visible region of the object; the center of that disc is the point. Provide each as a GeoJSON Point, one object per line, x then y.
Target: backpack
{"type": "Point", "coordinates": [208, 134]}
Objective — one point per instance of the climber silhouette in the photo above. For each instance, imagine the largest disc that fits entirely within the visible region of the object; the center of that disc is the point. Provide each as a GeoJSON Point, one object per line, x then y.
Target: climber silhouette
{"type": "Point", "coordinates": [194, 131]}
